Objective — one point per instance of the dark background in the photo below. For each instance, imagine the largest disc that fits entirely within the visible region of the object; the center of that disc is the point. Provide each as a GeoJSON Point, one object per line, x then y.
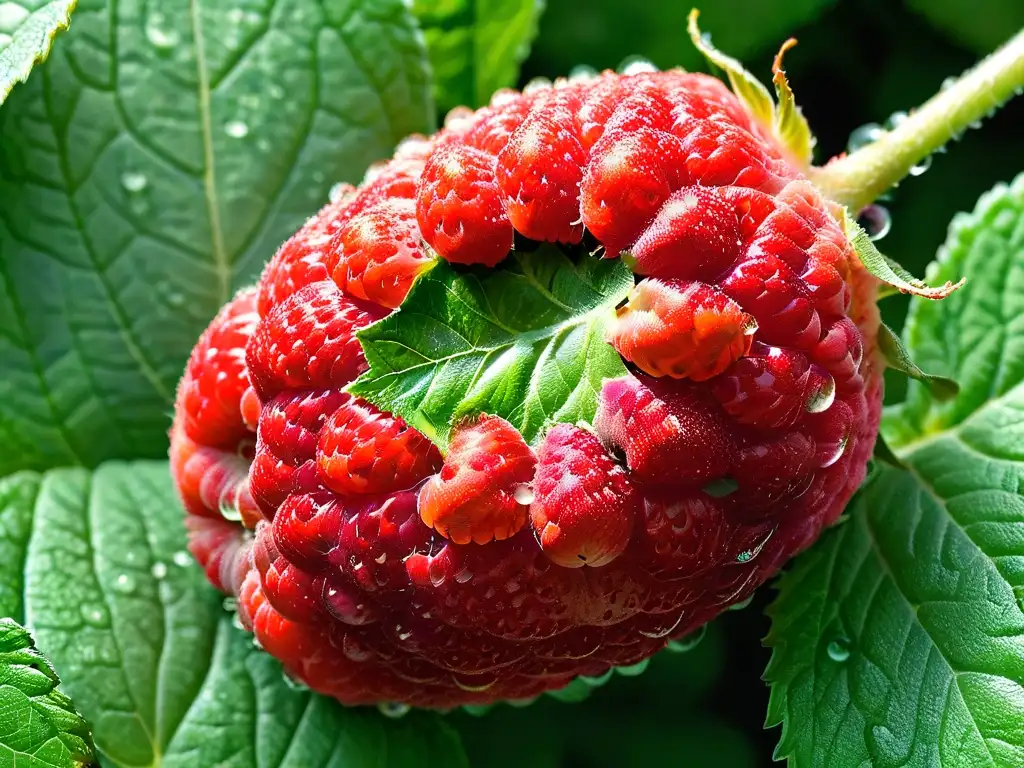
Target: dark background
{"type": "Point", "coordinates": [857, 61]}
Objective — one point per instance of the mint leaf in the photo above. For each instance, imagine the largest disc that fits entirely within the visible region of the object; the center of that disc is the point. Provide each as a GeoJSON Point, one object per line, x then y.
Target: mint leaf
{"type": "Point", "coordinates": [147, 651]}
{"type": "Point", "coordinates": [39, 726]}
{"type": "Point", "coordinates": [899, 638]}
{"type": "Point", "coordinates": [524, 341]}
{"type": "Point", "coordinates": [476, 46]}
{"type": "Point", "coordinates": [27, 28]}
{"type": "Point", "coordinates": [147, 170]}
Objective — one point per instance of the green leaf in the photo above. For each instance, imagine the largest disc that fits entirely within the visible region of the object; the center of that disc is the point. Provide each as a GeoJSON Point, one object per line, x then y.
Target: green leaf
{"type": "Point", "coordinates": [27, 29]}
{"type": "Point", "coordinates": [39, 727]}
{"type": "Point", "coordinates": [524, 341]}
{"type": "Point", "coordinates": [897, 358]}
{"type": "Point", "coordinates": [148, 653]}
{"type": "Point", "coordinates": [147, 170]}
{"type": "Point", "coordinates": [790, 125]}
{"type": "Point", "coordinates": [979, 24]}
{"type": "Point", "coordinates": [476, 46]}
{"type": "Point", "coordinates": [888, 271]}
{"type": "Point", "coordinates": [899, 638]}
{"type": "Point", "coordinates": [747, 88]}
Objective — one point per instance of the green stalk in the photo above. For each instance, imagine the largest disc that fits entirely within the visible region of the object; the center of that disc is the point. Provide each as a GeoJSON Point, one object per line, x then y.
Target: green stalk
{"type": "Point", "coordinates": [861, 177]}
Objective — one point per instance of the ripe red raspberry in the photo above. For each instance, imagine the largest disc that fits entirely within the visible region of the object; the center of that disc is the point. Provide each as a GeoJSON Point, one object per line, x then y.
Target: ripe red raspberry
{"type": "Point", "coordinates": [681, 329]}
{"type": "Point", "coordinates": [584, 502]}
{"type": "Point", "coordinates": [479, 494]}
{"type": "Point", "coordinates": [378, 571]}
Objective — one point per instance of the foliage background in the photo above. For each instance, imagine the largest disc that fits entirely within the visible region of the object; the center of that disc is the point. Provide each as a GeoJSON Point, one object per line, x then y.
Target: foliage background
{"type": "Point", "coordinates": [857, 61]}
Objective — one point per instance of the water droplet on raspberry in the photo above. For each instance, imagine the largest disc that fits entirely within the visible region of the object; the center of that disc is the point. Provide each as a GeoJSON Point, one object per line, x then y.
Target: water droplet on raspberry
{"type": "Point", "coordinates": [689, 641]}
{"type": "Point", "coordinates": [229, 604]}
{"type": "Point", "coordinates": [348, 605]}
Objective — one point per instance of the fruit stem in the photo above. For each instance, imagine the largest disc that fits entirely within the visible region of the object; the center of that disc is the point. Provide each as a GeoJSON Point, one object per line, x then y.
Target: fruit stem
{"type": "Point", "coordinates": [860, 178]}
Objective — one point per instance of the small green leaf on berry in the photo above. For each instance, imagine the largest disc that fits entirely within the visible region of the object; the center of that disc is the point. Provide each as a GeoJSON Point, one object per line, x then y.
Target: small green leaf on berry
{"type": "Point", "coordinates": [524, 341]}
{"type": "Point", "coordinates": [38, 723]}
{"type": "Point", "coordinates": [888, 271]}
{"type": "Point", "coordinates": [748, 89]}
{"type": "Point", "coordinates": [790, 125]}
{"type": "Point", "coordinates": [897, 358]}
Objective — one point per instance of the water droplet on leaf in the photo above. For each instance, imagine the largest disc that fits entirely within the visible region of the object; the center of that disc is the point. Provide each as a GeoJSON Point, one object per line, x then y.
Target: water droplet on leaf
{"type": "Point", "coordinates": [159, 571]}
{"type": "Point", "coordinates": [839, 649]}
{"type": "Point", "coordinates": [181, 558]}
{"type": "Point", "coordinates": [124, 584]}
{"type": "Point", "coordinates": [134, 182]}
{"type": "Point", "coordinates": [236, 129]}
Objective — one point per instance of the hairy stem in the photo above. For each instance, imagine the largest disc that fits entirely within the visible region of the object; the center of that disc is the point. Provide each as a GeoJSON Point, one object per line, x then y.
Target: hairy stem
{"type": "Point", "coordinates": [859, 178]}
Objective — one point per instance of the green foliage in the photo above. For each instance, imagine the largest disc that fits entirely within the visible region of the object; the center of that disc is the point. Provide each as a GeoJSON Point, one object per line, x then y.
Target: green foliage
{"type": "Point", "coordinates": [150, 656]}
{"type": "Point", "coordinates": [524, 341]}
{"type": "Point", "coordinates": [603, 33]}
{"type": "Point", "coordinates": [476, 46]}
{"type": "Point", "coordinates": [27, 29]}
{"type": "Point", "coordinates": [39, 727]}
{"type": "Point", "coordinates": [149, 169]}
{"type": "Point", "coordinates": [977, 24]}
{"type": "Point", "coordinates": [899, 638]}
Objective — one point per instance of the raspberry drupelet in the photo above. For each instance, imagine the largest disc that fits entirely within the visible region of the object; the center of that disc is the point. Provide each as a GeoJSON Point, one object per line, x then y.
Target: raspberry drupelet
{"type": "Point", "coordinates": [378, 570]}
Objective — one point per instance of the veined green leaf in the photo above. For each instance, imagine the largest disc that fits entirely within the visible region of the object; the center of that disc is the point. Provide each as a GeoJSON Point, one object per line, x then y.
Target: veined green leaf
{"type": "Point", "coordinates": [147, 170]}
{"type": "Point", "coordinates": [476, 46]}
{"type": "Point", "coordinates": [524, 341]}
{"type": "Point", "coordinates": [149, 654]}
{"type": "Point", "coordinates": [27, 29]}
{"type": "Point", "coordinates": [39, 727]}
{"type": "Point", "coordinates": [899, 638]}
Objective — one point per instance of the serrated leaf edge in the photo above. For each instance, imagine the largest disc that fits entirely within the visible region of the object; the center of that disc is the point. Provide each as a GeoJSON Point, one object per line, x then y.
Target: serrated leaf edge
{"type": "Point", "coordinates": [20, 76]}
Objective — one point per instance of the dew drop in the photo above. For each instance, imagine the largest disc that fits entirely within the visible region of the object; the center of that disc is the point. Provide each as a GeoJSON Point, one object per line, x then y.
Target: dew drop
{"type": "Point", "coordinates": [864, 135]}
{"type": "Point", "coordinates": [636, 65]}
{"type": "Point", "coordinates": [93, 614]}
{"type": "Point", "coordinates": [875, 220]}
{"type": "Point", "coordinates": [181, 558]}
{"type": "Point", "coordinates": [523, 494]}
{"type": "Point", "coordinates": [394, 709]}
{"type": "Point", "coordinates": [162, 39]}
{"type": "Point", "coordinates": [741, 604]}
{"type": "Point", "coordinates": [11, 17]}
{"type": "Point", "coordinates": [236, 129]}
{"type": "Point", "coordinates": [124, 584]}
{"type": "Point", "coordinates": [599, 680]}
{"type": "Point", "coordinates": [688, 642]}
{"type": "Point", "coordinates": [256, 643]}
{"type": "Point", "coordinates": [839, 649]}
{"type": "Point", "coordinates": [294, 683]}
{"type": "Point", "coordinates": [824, 393]}
{"type": "Point", "coordinates": [159, 571]}
{"type": "Point", "coordinates": [537, 84]}
{"type": "Point", "coordinates": [749, 554]}
{"type": "Point", "coordinates": [634, 669]}
{"type": "Point", "coordinates": [229, 604]}
{"type": "Point", "coordinates": [134, 182]}
{"type": "Point", "coordinates": [921, 167]}
{"type": "Point", "coordinates": [721, 487]}
{"type": "Point", "coordinates": [463, 576]}
{"type": "Point", "coordinates": [236, 622]}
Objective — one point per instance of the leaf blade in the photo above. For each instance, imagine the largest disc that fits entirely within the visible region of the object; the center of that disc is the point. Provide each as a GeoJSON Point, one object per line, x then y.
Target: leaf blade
{"type": "Point", "coordinates": [160, 671]}
{"type": "Point", "coordinates": [138, 190]}
{"type": "Point", "coordinates": [476, 46]}
{"type": "Point", "coordinates": [523, 341]}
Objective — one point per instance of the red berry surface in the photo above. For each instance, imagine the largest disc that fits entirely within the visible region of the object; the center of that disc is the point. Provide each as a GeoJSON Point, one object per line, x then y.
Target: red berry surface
{"type": "Point", "coordinates": [378, 570]}
{"type": "Point", "coordinates": [479, 493]}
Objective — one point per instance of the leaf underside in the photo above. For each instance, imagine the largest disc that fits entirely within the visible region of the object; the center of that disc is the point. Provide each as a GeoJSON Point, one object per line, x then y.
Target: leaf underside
{"type": "Point", "coordinates": [524, 341]}
{"type": "Point", "coordinates": [27, 30]}
{"type": "Point", "coordinates": [899, 638]}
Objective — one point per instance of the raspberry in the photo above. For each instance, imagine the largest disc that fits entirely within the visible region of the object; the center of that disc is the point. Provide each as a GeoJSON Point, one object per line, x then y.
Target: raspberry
{"type": "Point", "coordinates": [378, 571]}
{"type": "Point", "coordinates": [478, 494]}
{"type": "Point", "coordinates": [376, 255]}
{"type": "Point", "coordinates": [670, 435]}
{"type": "Point", "coordinates": [584, 502]}
{"type": "Point", "coordinates": [679, 329]}
{"type": "Point", "coordinates": [362, 450]}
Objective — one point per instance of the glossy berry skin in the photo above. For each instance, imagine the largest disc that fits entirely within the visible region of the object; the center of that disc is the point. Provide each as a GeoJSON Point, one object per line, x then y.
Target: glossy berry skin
{"type": "Point", "coordinates": [478, 494]}
{"type": "Point", "coordinates": [379, 570]}
{"type": "Point", "coordinates": [584, 503]}
{"type": "Point", "coordinates": [682, 329]}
